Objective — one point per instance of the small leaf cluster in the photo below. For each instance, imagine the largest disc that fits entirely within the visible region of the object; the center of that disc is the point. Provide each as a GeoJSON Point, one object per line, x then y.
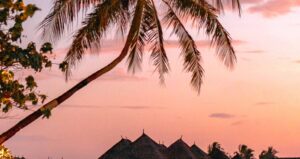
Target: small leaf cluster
{"type": "Point", "coordinates": [14, 56]}
{"type": "Point", "coordinates": [5, 153]}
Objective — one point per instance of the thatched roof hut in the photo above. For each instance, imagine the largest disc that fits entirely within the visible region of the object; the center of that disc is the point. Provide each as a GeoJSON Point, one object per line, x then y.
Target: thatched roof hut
{"type": "Point", "coordinates": [117, 150]}
{"type": "Point", "coordinates": [163, 146]}
{"type": "Point", "coordinates": [180, 150]}
{"type": "Point", "coordinates": [146, 148]}
{"type": "Point", "coordinates": [200, 154]}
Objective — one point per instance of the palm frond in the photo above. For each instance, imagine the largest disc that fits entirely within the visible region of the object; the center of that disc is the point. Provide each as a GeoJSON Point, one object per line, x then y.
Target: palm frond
{"type": "Point", "coordinates": [140, 39]}
{"type": "Point", "coordinates": [94, 28]}
{"type": "Point", "coordinates": [158, 54]}
{"type": "Point", "coordinates": [150, 31]}
{"type": "Point", "coordinates": [135, 57]}
{"type": "Point", "coordinates": [206, 16]}
{"type": "Point", "coordinates": [234, 3]}
{"type": "Point", "coordinates": [123, 23]}
{"type": "Point", "coordinates": [192, 57]}
{"type": "Point", "coordinates": [61, 16]}
{"type": "Point", "coordinates": [219, 4]}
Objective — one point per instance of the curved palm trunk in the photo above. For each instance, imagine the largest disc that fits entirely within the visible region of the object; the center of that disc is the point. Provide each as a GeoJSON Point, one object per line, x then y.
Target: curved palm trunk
{"type": "Point", "coordinates": [136, 22]}
{"type": "Point", "coordinates": [57, 101]}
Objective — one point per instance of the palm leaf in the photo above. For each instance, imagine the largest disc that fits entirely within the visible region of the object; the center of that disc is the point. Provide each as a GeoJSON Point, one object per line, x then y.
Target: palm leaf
{"type": "Point", "coordinates": [139, 40]}
{"type": "Point", "coordinates": [150, 32]}
{"type": "Point", "coordinates": [94, 28]}
{"type": "Point", "coordinates": [205, 15]}
{"type": "Point", "coordinates": [234, 3]}
{"type": "Point", "coordinates": [158, 54]}
{"type": "Point", "coordinates": [189, 49]}
{"type": "Point", "coordinates": [61, 16]}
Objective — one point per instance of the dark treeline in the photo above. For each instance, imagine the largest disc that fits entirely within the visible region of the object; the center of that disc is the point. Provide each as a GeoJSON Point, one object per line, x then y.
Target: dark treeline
{"type": "Point", "coordinates": [215, 151]}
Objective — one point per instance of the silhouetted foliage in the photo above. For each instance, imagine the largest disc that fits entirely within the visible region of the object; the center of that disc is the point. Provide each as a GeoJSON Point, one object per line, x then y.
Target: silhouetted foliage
{"type": "Point", "coordinates": [268, 154]}
{"type": "Point", "coordinates": [147, 30]}
{"type": "Point", "coordinates": [244, 152]}
{"type": "Point", "coordinates": [215, 151]}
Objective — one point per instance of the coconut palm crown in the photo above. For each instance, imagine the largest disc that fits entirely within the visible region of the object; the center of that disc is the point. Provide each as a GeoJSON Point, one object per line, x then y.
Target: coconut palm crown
{"type": "Point", "coordinates": [244, 153]}
{"type": "Point", "coordinates": [268, 154]}
{"type": "Point", "coordinates": [142, 22]}
{"type": "Point", "coordinates": [215, 151]}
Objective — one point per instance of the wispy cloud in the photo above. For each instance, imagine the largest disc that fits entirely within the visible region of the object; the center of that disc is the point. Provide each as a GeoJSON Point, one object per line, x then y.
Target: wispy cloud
{"type": "Point", "coordinates": [9, 116]}
{"type": "Point", "coordinates": [250, 1]}
{"type": "Point", "coordinates": [122, 74]}
{"type": "Point", "coordinates": [245, 59]}
{"type": "Point", "coordinates": [296, 61]}
{"type": "Point", "coordinates": [5, 117]}
{"type": "Point", "coordinates": [274, 8]}
{"type": "Point", "coordinates": [221, 115]}
{"type": "Point", "coordinates": [117, 74]}
{"type": "Point", "coordinates": [32, 138]}
{"type": "Point", "coordinates": [129, 107]}
{"type": "Point", "coordinates": [252, 51]}
{"type": "Point", "coordinates": [237, 123]}
{"type": "Point", "coordinates": [263, 103]}
{"type": "Point", "coordinates": [138, 107]}
{"type": "Point", "coordinates": [113, 46]}
{"type": "Point", "coordinates": [199, 43]}
{"type": "Point", "coordinates": [106, 47]}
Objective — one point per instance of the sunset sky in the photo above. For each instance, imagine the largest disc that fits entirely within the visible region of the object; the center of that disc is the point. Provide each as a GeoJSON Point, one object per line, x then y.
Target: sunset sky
{"type": "Point", "coordinates": [257, 103]}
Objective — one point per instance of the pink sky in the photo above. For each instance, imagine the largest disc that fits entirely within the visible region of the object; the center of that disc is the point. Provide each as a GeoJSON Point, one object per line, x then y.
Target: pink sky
{"type": "Point", "coordinates": [256, 104]}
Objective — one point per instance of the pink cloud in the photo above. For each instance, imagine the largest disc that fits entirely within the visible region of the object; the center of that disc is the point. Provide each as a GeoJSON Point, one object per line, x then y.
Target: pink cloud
{"type": "Point", "coordinates": [252, 51]}
{"type": "Point", "coordinates": [199, 43]}
{"type": "Point", "coordinates": [273, 8]}
{"type": "Point", "coordinates": [250, 1]}
{"type": "Point", "coordinates": [117, 74]}
{"type": "Point", "coordinates": [121, 74]}
{"type": "Point", "coordinates": [115, 46]}
{"type": "Point", "coordinates": [221, 115]}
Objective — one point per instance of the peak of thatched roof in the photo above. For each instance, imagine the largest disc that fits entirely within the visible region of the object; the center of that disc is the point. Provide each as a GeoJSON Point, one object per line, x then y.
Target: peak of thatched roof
{"type": "Point", "coordinates": [180, 150]}
{"type": "Point", "coordinates": [163, 146]}
{"type": "Point", "coordinates": [146, 148]}
{"type": "Point", "coordinates": [116, 150]}
{"type": "Point", "coordinates": [144, 139]}
{"type": "Point", "coordinates": [198, 153]}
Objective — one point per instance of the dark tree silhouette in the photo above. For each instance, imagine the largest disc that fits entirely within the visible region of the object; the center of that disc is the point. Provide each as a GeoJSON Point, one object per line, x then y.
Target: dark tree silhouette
{"type": "Point", "coordinates": [244, 152]}
{"type": "Point", "coordinates": [268, 154]}
{"type": "Point", "coordinates": [215, 151]}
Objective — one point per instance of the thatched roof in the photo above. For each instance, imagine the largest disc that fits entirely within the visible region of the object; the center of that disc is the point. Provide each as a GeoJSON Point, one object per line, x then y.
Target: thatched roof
{"type": "Point", "coordinates": [163, 146]}
{"type": "Point", "coordinates": [116, 150]}
{"type": "Point", "coordinates": [146, 148]}
{"type": "Point", "coordinates": [199, 154]}
{"type": "Point", "coordinates": [180, 150]}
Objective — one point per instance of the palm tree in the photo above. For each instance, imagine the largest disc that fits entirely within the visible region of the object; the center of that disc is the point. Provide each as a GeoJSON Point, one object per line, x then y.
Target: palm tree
{"type": "Point", "coordinates": [269, 154]}
{"type": "Point", "coordinates": [139, 20]}
{"type": "Point", "coordinates": [215, 151]}
{"type": "Point", "coordinates": [244, 153]}
{"type": "Point", "coordinates": [237, 156]}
